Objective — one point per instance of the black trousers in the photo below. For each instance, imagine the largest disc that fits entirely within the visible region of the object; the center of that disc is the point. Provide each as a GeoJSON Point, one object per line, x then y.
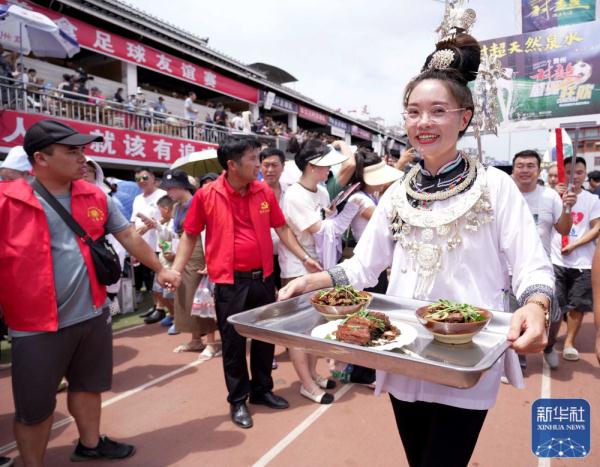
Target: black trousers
{"type": "Point", "coordinates": [436, 435]}
{"type": "Point", "coordinates": [231, 299]}
{"type": "Point", "coordinates": [143, 276]}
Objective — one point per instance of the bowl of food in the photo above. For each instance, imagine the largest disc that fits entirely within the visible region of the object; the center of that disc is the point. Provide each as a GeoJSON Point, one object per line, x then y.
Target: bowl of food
{"type": "Point", "coordinates": [340, 301]}
{"type": "Point", "coordinates": [452, 322]}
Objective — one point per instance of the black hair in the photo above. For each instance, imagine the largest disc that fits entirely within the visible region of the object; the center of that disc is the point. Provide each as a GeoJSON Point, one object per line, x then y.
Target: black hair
{"type": "Point", "coordinates": [137, 170]}
{"type": "Point", "coordinates": [364, 158]}
{"type": "Point", "coordinates": [210, 176]}
{"type": "Point", "coordinates": [467, 56]}
{"type": "Point", "coordinates": [293, 145]}
{"type": "Point", "coordinates": [234, 148]}
{"type": "Point", "coordinates": [165, 201]}
{"type": "Point", "coordinates": [308, 150]}
{"type": "Point", "coordinates": [594, 175]}
{"type": "Point", "coordinates": [578, 160]}
{"type": "Point", "coordinates": [272, 152]}
{"type": "Point", "coordinates": [190, 93]}
{"type": "Point", "coordinates": [528, 153]}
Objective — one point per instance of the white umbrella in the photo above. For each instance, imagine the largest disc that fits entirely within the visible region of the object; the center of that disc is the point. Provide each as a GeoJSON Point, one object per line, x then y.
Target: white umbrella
{"type": "Point", "coordinates": [27, 31]}
{"type": "Point", "coordinates": [199, 163]}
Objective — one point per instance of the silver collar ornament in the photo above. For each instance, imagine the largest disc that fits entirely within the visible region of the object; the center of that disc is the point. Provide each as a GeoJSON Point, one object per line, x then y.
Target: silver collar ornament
{"type": "Point", "coordinates": [427, 236]}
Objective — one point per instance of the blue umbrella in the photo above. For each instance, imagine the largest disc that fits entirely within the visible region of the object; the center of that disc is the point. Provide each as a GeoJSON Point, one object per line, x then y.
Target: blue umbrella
{"type": "Point", "coordinates": [126, 193]}
{"type": "Point", "coordinates": [27, 31]}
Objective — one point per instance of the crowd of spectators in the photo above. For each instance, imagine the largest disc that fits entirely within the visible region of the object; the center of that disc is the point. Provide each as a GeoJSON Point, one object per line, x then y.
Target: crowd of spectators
{"type": "Point", "coordinates": [318, 231]}
{"type": "Point", "coordinates": [195, 120]}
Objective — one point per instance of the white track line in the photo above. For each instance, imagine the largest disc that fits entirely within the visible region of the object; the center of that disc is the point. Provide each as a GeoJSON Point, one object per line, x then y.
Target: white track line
{"type": "Point", "coordinates": [545, 394]}
{"type": "Point", "coordinates": [123, 331]}
{"type": "Point", "coordinates": [65, 421]}
{"type": "Point", "coordinates": [296, 432]}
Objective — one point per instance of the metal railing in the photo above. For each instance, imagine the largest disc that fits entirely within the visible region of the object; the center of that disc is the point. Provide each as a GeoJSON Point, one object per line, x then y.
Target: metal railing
{"type": "Point", "coordinates": [15, 95]}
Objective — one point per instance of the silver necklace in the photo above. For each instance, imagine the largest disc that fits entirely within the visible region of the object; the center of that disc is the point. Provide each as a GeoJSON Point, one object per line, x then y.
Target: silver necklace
{"type": "Point", "coordinates": [439, 195]}
{"type": "Point", "coordinates": [427, 236]}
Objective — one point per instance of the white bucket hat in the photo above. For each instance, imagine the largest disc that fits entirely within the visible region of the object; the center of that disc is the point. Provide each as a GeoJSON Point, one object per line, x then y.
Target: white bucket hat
{"type": "Point", "coordinates": [17, 160]}
{"type": "Point", "coordinates": [381, 174]}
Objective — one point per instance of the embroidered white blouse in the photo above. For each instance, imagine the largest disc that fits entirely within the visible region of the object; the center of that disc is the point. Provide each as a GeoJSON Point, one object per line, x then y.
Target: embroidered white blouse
{"type": "Point", "coordinates": [473, 273]}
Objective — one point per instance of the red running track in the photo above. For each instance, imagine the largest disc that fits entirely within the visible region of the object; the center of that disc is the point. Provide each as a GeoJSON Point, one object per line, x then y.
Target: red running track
{"type": "Point", "coordinates": [173, 409]}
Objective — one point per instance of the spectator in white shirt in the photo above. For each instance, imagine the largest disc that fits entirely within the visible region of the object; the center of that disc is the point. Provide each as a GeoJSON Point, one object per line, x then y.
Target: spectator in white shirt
{"type": "Point", "coordinates": [550, 212]}
{"type": "Point", "coordinates": [146, 204]}
{"type": "Point", "coordinates": [189, 110]}
{"type": "Point", "coordinates": [572, 260]}
{"type": "Point", "coordinates": [237, 122]}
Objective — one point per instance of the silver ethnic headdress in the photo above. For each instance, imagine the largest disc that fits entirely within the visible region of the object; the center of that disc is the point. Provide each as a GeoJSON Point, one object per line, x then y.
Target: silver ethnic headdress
{"type": "Point", "coordinates": [456, 19]}
{"type": "Point", "coordinates": [459, 19]}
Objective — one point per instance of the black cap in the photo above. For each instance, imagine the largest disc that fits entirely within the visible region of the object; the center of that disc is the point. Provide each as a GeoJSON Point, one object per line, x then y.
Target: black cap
{"type": "Point", "coordinates": [42, 134]}
{"type": "Point", "coordinates": [209, 176]}
{"type": "Point", "coordinates": [176, 179]}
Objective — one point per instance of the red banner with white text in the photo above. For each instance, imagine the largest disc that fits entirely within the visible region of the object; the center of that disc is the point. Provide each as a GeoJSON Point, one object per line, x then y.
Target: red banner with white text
{"type": "Point", "coordinates": [107, 43]}
{"type": "Point", "coordinates": [312, 115]}
{"type": "Point", "coordinates": [125, 146]}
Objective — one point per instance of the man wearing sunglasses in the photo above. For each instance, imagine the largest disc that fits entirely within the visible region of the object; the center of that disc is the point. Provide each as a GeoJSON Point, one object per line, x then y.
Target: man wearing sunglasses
{"type": "Point", "coordinates": [144, 204]}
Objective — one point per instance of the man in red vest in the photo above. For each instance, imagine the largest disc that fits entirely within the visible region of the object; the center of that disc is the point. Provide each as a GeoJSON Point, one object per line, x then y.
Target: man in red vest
{"type": "Point", "coordinates": [55, 307]}
{"type": "Point", "coordinates": [238, 213]}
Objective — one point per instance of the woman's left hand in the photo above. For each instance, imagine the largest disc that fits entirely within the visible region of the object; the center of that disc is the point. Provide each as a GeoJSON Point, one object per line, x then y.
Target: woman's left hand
{"type": "Point", "coordinates": [528, 329]}
{"type": "Point", "coordinates": [312, 266]}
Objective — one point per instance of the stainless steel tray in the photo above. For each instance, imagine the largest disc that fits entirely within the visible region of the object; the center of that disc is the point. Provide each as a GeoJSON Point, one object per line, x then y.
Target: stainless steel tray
{"type": "Point", "coordinates": [289, 323]}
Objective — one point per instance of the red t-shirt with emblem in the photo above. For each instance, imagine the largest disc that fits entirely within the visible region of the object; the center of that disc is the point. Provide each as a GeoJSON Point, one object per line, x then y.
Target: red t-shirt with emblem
{"type": "Point", "coordinates": [252, 217]}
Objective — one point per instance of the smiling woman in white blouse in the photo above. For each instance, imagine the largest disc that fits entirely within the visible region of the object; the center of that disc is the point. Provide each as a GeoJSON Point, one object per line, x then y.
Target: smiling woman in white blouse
{"type": "Point", "coordinates": [446, 231]}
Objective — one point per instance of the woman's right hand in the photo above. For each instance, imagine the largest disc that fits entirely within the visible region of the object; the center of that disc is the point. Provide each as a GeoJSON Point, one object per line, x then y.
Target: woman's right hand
{"type": "Point", "coordinates": [296, 287]}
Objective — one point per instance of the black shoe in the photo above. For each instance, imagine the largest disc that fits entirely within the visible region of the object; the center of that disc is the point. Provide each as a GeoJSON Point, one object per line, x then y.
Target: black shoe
{"type": "Point", "coordinates": [147, 313]}
{"type": "Point", "coordinates": [156, 316]}
{"type": "Point", "coordinates": [270, 400]}
{"type": "Point", "coordinates": [106, 449]}
{"type": "Point", "coordinates": [240, 415]}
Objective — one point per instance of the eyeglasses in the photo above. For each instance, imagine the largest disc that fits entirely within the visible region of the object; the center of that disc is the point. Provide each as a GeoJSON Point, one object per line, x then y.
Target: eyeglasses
{"type": "Point", "coordinates": [144, 178]}
{"type": "Point", "coordinates": [436, 114]}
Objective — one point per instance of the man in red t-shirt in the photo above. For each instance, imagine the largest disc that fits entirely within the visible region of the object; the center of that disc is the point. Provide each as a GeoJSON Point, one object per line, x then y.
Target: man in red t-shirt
{"type": "Point", "coordinates": [238, 213]}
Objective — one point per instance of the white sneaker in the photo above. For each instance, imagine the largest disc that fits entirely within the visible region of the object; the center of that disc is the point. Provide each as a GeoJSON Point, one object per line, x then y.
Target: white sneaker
{"type": "Point", "coordinates": [552, 359]}
{"type": "Point", "coordinates": [504, 380]}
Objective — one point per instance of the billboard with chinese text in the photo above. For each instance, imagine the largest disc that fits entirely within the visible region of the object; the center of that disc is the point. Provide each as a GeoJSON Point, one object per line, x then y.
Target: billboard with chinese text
{"type": "Point", "coordinates": [549, 74]}
{"type": "Point", "coordinates": [122, 145]}
{"type": "Point", "coordinates": [543, 14]}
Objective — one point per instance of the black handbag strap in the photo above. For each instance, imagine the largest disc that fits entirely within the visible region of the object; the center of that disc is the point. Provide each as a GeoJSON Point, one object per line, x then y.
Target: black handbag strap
{"type": "Point", "coordinates": [60, 210]}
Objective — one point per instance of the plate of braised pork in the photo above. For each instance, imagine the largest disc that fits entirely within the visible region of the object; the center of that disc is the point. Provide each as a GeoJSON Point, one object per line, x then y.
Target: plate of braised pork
{"type": "Point", "coordinates": [367, 328]}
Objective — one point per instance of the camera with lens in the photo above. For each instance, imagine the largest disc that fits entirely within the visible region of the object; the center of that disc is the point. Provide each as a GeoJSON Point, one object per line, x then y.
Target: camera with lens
{"type": "Point", "coordinates": [82, 77]}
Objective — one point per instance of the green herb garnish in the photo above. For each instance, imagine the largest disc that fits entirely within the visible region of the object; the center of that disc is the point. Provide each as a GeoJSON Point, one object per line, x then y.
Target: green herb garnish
{"type": "Point", "coordinates": [364, 313]}
{"type": "Point", "coordinates": [443, 308]}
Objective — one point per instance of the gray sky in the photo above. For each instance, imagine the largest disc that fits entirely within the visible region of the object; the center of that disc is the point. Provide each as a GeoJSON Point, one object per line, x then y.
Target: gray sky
{"type": "Point", "coordinates": [345, 54]}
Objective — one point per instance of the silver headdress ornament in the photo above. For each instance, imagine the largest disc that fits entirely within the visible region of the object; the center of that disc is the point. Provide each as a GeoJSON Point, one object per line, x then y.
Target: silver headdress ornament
{"type": "Point", "coordinates": [441, 59]}
{"type": "Point", "coordinates": [456, 19]}
{"type": "Point", "coordinates": [486, 95]}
